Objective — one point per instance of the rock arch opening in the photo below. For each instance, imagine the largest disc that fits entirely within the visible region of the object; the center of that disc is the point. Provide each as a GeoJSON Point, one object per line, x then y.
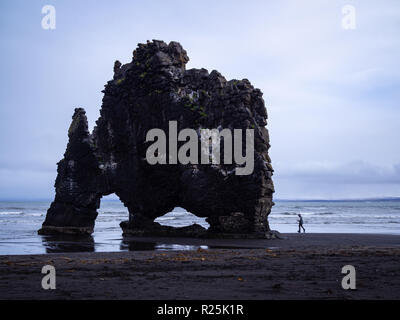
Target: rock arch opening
{"type": "Point", "coordinates": [180, 217]}
{"type": "Point", "coordinates": [111, 213]}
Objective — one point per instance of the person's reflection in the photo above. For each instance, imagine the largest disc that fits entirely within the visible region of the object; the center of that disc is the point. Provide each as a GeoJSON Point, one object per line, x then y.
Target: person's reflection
{"type": "Point", "coordinates": [68, 243]}
{"type": "Point", "coordinates": [132, 245]}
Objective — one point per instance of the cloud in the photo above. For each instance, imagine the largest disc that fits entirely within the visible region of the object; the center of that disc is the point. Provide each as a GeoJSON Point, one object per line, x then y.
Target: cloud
{"type": "Point", "coordinates": [357, 172]}
{"type": "Point", "coordinates": [26, 184]}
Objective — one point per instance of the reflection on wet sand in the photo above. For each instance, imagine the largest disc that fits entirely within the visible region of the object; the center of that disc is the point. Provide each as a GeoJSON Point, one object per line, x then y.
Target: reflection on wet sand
{"type": "Point", "coordinates": [71, 243]}
{"type": "Point", "coordinates": [128, 244]}
{"type": "Point", "coordinates": [68, 243]}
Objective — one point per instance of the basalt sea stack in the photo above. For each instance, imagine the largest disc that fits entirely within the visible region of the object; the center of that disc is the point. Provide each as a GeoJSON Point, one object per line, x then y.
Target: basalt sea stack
{"type": "Point", "coordinates": [149, 92]}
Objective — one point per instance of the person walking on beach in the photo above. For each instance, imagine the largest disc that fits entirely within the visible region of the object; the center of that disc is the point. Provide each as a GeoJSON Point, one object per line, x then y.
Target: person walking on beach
{"type": "Point", "coordinates": [301, 224]}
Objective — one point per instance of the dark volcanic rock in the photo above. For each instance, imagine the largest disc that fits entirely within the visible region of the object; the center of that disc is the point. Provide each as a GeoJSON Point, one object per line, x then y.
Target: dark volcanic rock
{"type": "Point", "coordinates": [147, 93]}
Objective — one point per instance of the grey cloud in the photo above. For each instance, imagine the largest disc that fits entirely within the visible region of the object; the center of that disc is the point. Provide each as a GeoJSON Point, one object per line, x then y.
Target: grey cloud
{"type": "Point", "coordinates": [356, 172]}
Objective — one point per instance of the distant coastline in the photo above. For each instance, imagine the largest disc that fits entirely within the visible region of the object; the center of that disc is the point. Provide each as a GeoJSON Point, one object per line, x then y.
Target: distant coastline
{"type": "Point", "coordinates": [340, 200]}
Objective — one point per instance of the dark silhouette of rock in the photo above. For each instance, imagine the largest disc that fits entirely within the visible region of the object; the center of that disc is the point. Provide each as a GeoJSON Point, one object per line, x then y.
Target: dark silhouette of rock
{"type": "Point", "coordinates": [147, 93]}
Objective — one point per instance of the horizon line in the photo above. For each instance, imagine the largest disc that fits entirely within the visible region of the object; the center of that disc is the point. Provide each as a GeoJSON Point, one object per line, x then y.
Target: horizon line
{"type": "Point", "coordinates": [388, 198]}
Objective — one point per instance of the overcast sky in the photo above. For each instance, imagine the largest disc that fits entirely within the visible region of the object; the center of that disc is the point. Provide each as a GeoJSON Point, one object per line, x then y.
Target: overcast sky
{"type": "Point", "coordinates": [332, 94]}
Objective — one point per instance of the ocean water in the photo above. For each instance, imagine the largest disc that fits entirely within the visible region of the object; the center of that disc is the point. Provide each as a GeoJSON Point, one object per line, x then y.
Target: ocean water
{"type": "Point", "coordinates": [19, 222]}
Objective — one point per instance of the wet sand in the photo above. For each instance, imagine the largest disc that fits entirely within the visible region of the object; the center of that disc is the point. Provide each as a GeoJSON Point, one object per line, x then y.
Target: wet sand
{"type": "Point", "coordinates": [302, 266]}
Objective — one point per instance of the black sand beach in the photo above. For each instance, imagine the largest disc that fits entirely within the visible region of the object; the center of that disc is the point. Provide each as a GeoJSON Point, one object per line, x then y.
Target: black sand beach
{"type": "Point", "coordinates": [306, 266]}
